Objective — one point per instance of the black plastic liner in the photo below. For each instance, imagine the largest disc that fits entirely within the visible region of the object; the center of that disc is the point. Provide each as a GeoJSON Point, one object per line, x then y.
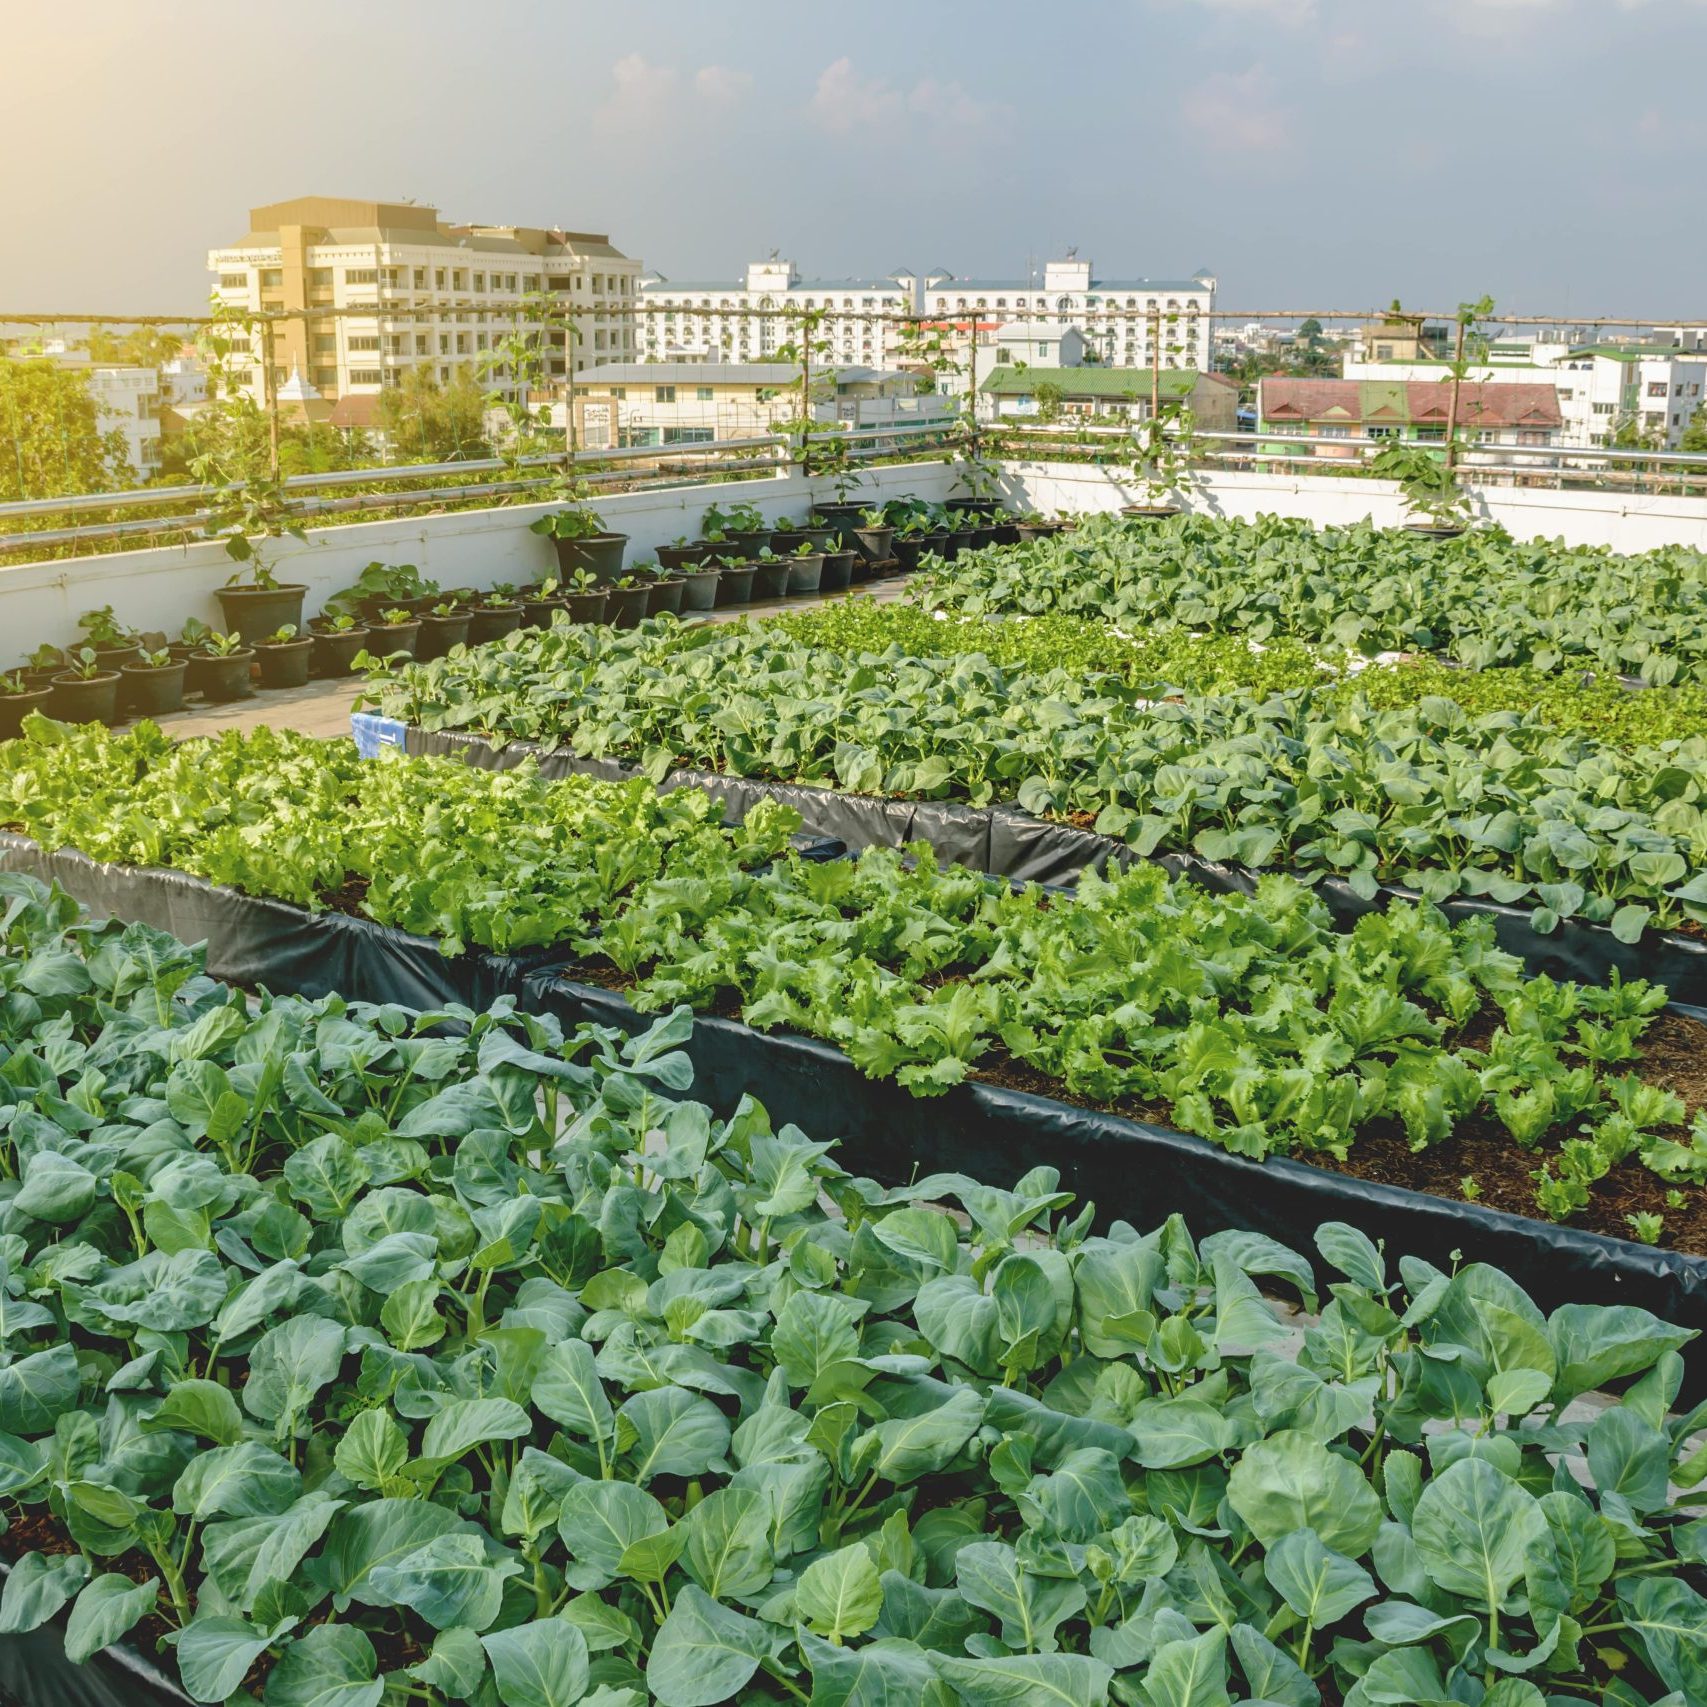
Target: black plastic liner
{"type": "Point", "coordinates": [1009, 843]}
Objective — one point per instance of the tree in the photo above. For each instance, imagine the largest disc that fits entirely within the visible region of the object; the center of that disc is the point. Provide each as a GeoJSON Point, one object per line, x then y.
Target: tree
{"type": "Point", "coordinates": [147, 346]}
{"type": "Point", "coordinates": [1695, 434]}
{"type": "Point", "coordinates": [51, 442]}
{"type": "Point", "coordinates": [429, 422]}
{"type": "Point", "coordinates": [1048, 396]}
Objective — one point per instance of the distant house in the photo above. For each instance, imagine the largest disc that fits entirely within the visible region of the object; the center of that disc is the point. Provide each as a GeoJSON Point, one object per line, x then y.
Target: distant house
{"type": "Point", "coordinates": [1416, 411]}
{"type": "Point", "coordinates": [1117, 393]}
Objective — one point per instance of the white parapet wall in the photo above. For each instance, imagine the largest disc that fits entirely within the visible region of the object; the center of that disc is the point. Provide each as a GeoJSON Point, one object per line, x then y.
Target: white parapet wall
{"type": "Point", "coordinates": [158, 589]}
{"type": "Point", "coordinates": [1628, 522]}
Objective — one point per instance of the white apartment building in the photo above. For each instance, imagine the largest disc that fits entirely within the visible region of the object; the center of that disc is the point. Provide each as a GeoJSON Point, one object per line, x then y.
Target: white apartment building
{"type": "Point", "coordinates": [1603, 388]}
{"type": "Point", "coordinates": [714, 320]}
{"type": "Point", "coordinates": [430, 294]}
{"type": "Point", "coordinates": [1121, 318]}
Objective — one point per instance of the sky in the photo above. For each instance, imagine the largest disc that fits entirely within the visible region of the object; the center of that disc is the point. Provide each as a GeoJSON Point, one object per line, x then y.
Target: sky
{"type": "Point", "coordinates": [1311, 153]}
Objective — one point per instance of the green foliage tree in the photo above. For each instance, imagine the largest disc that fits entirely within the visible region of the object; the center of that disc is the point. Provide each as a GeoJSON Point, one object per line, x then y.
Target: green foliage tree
{"type": "Point", "coordinates": [1695, 434]}
{"type": "Point", "coordinates": [51, 440]}
{"type": "Point", "coordinates": [1048, 395]}
{"type": "Point", "coordinates": [147, 346]}
{"type": "Point", "coordinates": [429, 422]}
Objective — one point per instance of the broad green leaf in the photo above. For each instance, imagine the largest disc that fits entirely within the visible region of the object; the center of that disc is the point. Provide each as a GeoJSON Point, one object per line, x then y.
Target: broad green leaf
{"type": "Point", "coordinates": [905, 1448]}
{"type": "Point", "coordinates": [543, 1664]}
{"type": "Point", "coordinates": [36, 1390]}
{"type": "Point", "coordinates": [704, 1652]}
{"type": "Point", "coordinates": [372, 1451]}
{"type": "Point", "coordinates": [1473, 1527]}
{"type": "Point", "coordinates": [840, 1595]}
{"type": "Point", "coordinates": [215, 1652]}
{"type": "Point", "coordinates": [1290, 1482]}
{"type": "Point", "coordinates": [990, 1574]}
{"type": "Point", "coordinates": [728, 1546]}
{"type": "Point", "coordinates": [289, 1365]}
{"type": "Point", "coordinates": [108, 1607]}
{"type": "Point", "coordinates": [37, 1586]}
{"type": "Point", "coordinates": [671, 1432]}
{"type": "Point", "coordinates": [450, 1580]}
{"type": "Point", "coordinates": [247, 1480]}
{"type": "Point", "coordinates": [567, 1389]}
{"type": "Point", "coordinates": [1671, 1619]}
{"type": "Point", "coordinates": [1191, 1672]}
{"type": "Point", "coordinates": [1321, 1586]}
{"type": "Point", "coordinates": [332, 1665]}
{"type": "Point", "coordinates": [1028, 1680]}
{"type": "Point", "coordinates": [464, 1424]}
{"type": "Point", "coordinates": [599, 1522]}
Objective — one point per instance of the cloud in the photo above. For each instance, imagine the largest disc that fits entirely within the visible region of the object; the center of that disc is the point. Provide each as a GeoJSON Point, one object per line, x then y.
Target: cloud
{"type": "Point", "coordinates": [1236, 113]}
{"type": "Point", "coordinates": [722, 85]}
{"type": "Point", "coordinates": [1293, 13]}
{"type": "Point", "coordinates": [641, 89]}
{"type": "Point", "coordinates": [845, 100]}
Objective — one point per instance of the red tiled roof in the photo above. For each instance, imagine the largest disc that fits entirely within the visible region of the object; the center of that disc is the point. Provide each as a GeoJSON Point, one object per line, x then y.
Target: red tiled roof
{"type": "Point", "coordinates": [1489, 403]}
{"type": "Point", "coordinates": [359, 410]}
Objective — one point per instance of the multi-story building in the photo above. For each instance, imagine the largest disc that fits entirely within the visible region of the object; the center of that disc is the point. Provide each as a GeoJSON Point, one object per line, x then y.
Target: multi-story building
{"type": "Point", "coordinates": [721, 320]}
{"type": "Point", "coordinates": [675, 403]}
{"type": "Point", "coordinates": [1413, 411]}
{"type": "Point", "coordinates": [426, 293]}
{"type": "Point", "coordinates": [1115, 394]}
{"type": "Point", "coordinates": [1126, 322]}
{"type": "Point", "coordinates": [1606, 392]}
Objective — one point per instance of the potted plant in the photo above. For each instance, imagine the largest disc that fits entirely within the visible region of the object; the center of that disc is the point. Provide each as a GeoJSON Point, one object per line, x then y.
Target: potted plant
{"type": "Point", "coordinates": [337, 639]}
{"type": "Point", "coordinates": [587, 599]}
{"type": "Point", "coordinates": [1161, 463]}
{"type": "Point", "coordinates": [83, 692]}
{"type": "Point", "coordinates": [770, 575]}
{"type": "Point", "coordinates": [805, 568]}
{"type": "Point", "coordinates": [496, 615]}
{"type": "Point", "coordinates": [1438, 506]}
{"type": "Point", "coordinates": [740, 525]}
{"type": "Point", "coordinates": [544, 599]}
{"type": "Point", "coordinates": [685, 553]}
{"type": "Point", "coordinates": [666, 590]}
{"type": "Point", "coordinates": [154, 683]}
{"type": "Point", "coordinates": [1030, 525]}
{"type": "Point", "coordinates": [626, 600]}
{"type": "Point", "coordinates": [873, 534]}
{"type": "Point", "coordinates": [386, 586]}
{"type": "Point", "coordinates": [219, 671]}
{"type": "Point", "coordinates": [839, 564]}
{"type": "Point", "coordinates": [113, 645]}
{"type": "Point", "coordinates": [42, 666]}
{"type": "Point", "coordinates": [17, 700]}
{"type": "Point", "coordinates": [787, 540]}
{"type": "Point", "coordinates": [442, 627]}
{"type": "Point", "coordinates": [243, 514]}
{"type": "Point", "coordinates": [284, 657]}
{"type": "Point", "coordinates": [734, 580]}
{"type": "Point", "coordinates": [583, 541]}
{"type": "Point", "coordinates": [919, 534]}
{"type": "Point", "coordinates": [393, 631]}
{"type": "Point", "coordinates": [700, 583]}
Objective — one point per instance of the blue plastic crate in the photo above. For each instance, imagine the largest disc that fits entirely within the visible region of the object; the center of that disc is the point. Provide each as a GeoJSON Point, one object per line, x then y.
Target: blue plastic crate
{"type": "Point", "coordinates": [371, 733]}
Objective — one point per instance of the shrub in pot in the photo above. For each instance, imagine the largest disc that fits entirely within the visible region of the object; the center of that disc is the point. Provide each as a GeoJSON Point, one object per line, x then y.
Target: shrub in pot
{"type": "Point", "coordinates": [787, 540]}
{"type": "Point", "coordinates": [770, 575]}
{"type": "Point", "coordinates": [582, 541]}
{"type": "Point", "coordinates": [1030, 526]}
{"type": "Point", "coordinates": [83, 692]}
{"type": "Point", "coordinates": [442, 627]}
{"type": "Point", "coordinates": [873, 536]}
{"type": "Point", "coordinates": [838, 568]}
{"type": "Point", "coordinates": [337, 640]}
{"type": "Point", "coordinates": [112, 644]}
{"type": "Point", "coordinates": [626, 601]}
{"type": "Point", "coordinates": [666, 589]}
{"type": "Point", "coordinates": [261, 603]}
{"type": "Point", "coordinates": [821, 537]}
{"type": "Point", "coordinates": [496, 615]}
{"type": "Point", "coordinates": [544, 599]}
{"type": "Point", "coordinates": [742, 526]}
{"type": "Point", "coordinates": [805, 569]}
{"type": "Point", "coordinates": [587, 599]}
{"type": "Point", "coordinates": [392, 632]}
{"type": "Point", "coordinates": [17, 700]}
{"type": "Point", "coordinates": [915, 537]}
{"type": "Point", "coordinates": [700, 583]}
{"type": "Point", "coordinates": [284, 657]}
{"type": "Point", "coordinates": [42, 666]}
{"type": "Point", "coordinates": [386, 586]}
{"type": "Point", "coordinates": [841, 515]}
{"type": "Point", "coordinates": [685, 553]}
{"type": "Point", "coordinates": [154, 683]}
{"type": "Point", "coordinates": [219, 669]}
{"type": "Point", "coordinates": [734, 580]}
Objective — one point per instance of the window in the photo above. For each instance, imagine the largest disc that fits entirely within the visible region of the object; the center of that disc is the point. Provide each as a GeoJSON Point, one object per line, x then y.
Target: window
{"type": "Point", "coordinates": [271, 278]}
{"type": "Point", "coordinates": [325, 343]}
{"type": "Point", "coordinates": [320, 278]}
{"type": "Point", "coordinates": [421, 344]}
{"type": "Point", "coordinates": [366, 376]}
{"type": "Point", "coordinates": [703, 394]}
{"type": "Point", "coordinates": [1382, 432]}
{"type": "Point", "coordinates": [438, 278]}
{"type": "Point", "coordinates": [1657, 388]}
{"type": "Point", "coordinates": [361, 275]}
{"type": "Point", "coordinates": [1431, 435]}
{"type": "Point", "coordinates": [663, 394]}
{"type": "Point", "coordinates": [1602, 408]}
{"type": "Point", "coordinates": [233, 281]}
{"type": "Point", "coordinates": [324, 377]}
{"type": "Point", "coordinates": [420, 278]}
{"type": "Point", "coordinates": [364, 341]}
{"type": "Point", "coordinates": [479, 281]}
{"type": "Point", "coordinates": [619, 391]}
{"type": "Point", "coordinates": [444, 344]}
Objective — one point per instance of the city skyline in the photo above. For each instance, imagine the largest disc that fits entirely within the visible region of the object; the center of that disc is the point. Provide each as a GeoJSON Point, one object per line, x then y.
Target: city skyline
{"type": "Point", "coordinates": [1307, 151]}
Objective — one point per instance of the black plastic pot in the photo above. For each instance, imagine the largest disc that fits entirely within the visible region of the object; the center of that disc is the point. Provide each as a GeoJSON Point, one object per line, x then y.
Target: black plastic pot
{"type": "Point", "coordinates": [537, 613]}
{"type": "Point", "coordinates": [699, 588]}
{"type": "Point", "coordinates": [373, 609]}
{"type": "Point", "coordinates": [820, 538]}
{"type": "Point", "coordinates": [874, 543]}
{"type": "Point", "coordinates": [665, 597]}
{"type": "Point", "coordinates": [85, 699]}
{"type": "Point", "coordinates": [1435, 530]}
{"type": "Point", "coordinates": [770, 580]}
{"type": "Point", "coordinates": [334, 650]}
{"type": "Point", "coordinates": [967, 506]}
{"type": "Point", "coordinates": [842, 516]}
{"type": "Point", "coordinates": [625, 607]}
{"type": "Point", "coordinates": [257, 611]}
{"type": "Point", "coordinates": [150, 691]}
{"type": "Point", "coordinates": [805, 573]}
{"type": "Point", "coordinates": [600, 555]}
{"type": "Point", "coordinates": [386, 638]}
{"type": "Point", "coordinates": [15, 707]}
{"type": "Point", "coordinates": [586, 607]}
{"type": "Point", "coordinates": [746, 541]}
{"type": "Point", "coordinates": [440, 633]}
{"type": "Point", "coordinates": [735, 583]}
{"type": "Point", "coordinates": [1037, 530]}
{"type": "Point", "coordinates": [962, 539]}
{"type": "Point", "coordinates": [1148, 512]}
{"type": "Point", "coordinates": [221, 679]}
{"type": "Point", "coordinates": [492, 622]}
{"type": "Point", "coordinates": [116, 657]}
{"type": "Point", "coordinates": [285, 665]}
{"type": "Point", "coordinates": [784, 540]}
{"type": "Point", "coordinates": [684, 556]}
{"type": "Point", "coordinates": [41, 679]}
{"type": "Point", "coordinates": [909, 548]}
{"type": "Point", "coordinates": [838, 570]}
{"type": "Point", "coordinates": [1004, 533]}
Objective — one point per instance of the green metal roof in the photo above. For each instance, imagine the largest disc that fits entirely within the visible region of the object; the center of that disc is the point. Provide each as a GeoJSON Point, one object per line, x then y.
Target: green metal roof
{"type": "Point", "coordinates": [1121, 383]}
